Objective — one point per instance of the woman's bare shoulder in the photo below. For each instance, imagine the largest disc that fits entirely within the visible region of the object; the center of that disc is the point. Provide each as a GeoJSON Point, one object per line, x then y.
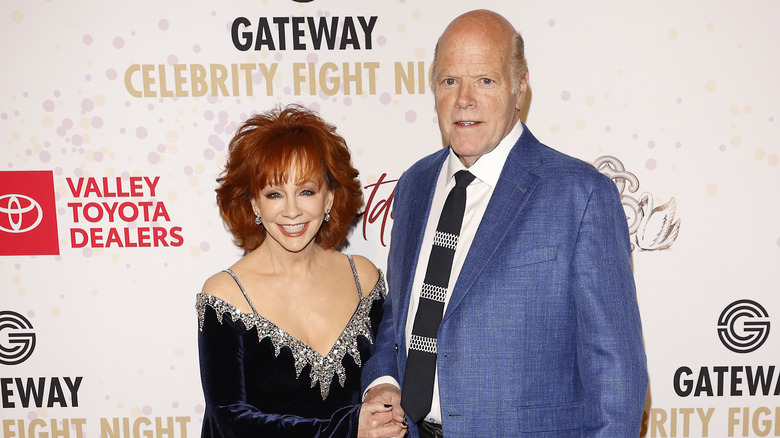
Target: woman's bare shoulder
{"type": "Point", "coordinates": [222, 285]}
{"type": "Point", "coordinates": [367, 273]}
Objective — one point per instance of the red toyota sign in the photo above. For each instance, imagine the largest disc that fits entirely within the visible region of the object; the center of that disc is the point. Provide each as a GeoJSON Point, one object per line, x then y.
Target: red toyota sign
{"type": "Point", "coordinates": [28, 215]}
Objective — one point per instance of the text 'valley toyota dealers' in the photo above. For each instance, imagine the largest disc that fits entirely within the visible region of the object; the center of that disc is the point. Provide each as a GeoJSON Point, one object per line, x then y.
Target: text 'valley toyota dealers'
{"type": "Point", "coordinates": [120, 213]}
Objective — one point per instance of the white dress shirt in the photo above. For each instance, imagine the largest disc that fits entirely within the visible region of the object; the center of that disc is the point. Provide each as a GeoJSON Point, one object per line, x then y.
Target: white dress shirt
{"type": "Point", "coordinates": [486, 169]}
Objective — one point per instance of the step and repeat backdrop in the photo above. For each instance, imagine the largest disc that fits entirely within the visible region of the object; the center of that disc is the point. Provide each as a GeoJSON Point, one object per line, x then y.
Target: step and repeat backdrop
{"type": "Point", "coordinates": [114, 121]}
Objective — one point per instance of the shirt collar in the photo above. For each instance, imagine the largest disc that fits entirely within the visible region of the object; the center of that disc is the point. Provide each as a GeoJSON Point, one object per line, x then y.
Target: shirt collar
{"type": "Point", "coordinates": [488, 167]}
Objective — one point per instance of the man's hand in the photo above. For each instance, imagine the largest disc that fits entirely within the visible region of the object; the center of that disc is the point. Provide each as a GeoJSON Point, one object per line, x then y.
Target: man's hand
{"type": "Point", "coordinates": [389, 395]}
{"type": "Point", "coordinates": [376, 421]}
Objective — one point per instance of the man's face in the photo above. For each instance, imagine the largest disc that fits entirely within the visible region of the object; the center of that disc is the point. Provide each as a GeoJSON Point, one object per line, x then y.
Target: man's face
{"type": "Point", "coordinates": [473, 89]}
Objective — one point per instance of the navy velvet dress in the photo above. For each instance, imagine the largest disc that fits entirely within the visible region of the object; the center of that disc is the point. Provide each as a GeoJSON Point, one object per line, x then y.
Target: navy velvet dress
{"type": "Point", "coordinates": [258, 381]}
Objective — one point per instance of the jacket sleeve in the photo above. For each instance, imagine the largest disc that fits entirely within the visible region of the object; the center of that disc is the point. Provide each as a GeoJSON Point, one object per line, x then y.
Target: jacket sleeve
{"type": "Point", "coordinates": [227, 413]}
{"type": "Point", "coordinates": [384, 362]}
{"type": "Point", "coordinates": [610, 351]}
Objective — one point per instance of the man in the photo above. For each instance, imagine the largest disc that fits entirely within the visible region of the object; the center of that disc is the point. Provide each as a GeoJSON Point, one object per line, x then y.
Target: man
{"type": "Point", "coordinates": [539, 332]}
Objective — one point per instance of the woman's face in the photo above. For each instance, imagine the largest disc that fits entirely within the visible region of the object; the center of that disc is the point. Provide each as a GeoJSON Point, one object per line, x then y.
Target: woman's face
{"type": "Point", "coordinates": [293, 211]}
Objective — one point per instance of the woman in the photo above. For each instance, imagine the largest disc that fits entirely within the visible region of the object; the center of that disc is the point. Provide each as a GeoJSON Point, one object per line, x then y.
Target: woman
{"type": "Point", "coordinates": [284, 331]}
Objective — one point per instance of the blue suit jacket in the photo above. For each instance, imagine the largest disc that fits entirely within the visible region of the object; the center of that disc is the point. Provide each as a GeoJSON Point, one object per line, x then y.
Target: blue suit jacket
{"type": "Point", "coordinates": [542, 335]}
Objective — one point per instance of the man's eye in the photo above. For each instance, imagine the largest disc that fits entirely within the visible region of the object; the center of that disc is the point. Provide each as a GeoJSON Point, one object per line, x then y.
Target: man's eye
{"type": "Point", "coordinates": [449, 81]}
{"type": "Point", "coordinates": [487, 81]}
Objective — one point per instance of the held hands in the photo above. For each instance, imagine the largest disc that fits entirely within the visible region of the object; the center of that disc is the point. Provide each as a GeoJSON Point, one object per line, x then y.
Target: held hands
{"type": "Point", "coordinates": [376, 421]}
{"type": "Point", "coordinates": [381, 415]}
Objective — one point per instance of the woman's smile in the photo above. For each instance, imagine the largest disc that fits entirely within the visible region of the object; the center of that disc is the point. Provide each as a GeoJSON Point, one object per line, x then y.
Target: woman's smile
{"type": "Point", "coordinates": [293, 230]}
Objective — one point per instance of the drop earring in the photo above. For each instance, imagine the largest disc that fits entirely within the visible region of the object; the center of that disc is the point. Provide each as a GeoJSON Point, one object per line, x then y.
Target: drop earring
{"type": "Point", "coordinates": [327, 216]}
{"type": "Point", "coordinates": [258, 221]}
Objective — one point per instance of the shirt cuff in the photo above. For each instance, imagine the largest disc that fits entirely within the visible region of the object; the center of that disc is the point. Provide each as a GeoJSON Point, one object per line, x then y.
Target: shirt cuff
{"type": "Point", "coordinates": [379, 381]}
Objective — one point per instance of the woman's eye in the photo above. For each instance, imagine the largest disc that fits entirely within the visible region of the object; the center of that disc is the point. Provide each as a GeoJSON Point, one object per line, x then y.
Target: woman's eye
{"type": "Point", "coordinates": [272, 195]}
{"type": "Point", "coordinates": [307, 192]}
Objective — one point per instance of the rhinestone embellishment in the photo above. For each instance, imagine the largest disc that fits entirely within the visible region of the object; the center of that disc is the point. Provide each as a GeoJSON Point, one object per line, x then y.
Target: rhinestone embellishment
{"type": "Point", "coordinates": [323, 368]}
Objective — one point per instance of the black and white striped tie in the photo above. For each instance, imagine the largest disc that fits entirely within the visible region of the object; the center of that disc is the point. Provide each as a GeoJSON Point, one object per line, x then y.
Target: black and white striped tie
{"type": "Point", "coordinates": [417, 391]}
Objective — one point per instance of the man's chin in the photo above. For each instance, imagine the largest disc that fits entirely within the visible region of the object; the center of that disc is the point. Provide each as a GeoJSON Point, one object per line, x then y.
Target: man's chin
{"type": "Point", "coordinates": [469, 149]}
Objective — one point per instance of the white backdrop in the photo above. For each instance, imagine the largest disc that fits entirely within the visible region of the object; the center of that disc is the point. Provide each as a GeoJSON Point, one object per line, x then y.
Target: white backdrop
{"type": "Point", "coordinates": [127, 108]}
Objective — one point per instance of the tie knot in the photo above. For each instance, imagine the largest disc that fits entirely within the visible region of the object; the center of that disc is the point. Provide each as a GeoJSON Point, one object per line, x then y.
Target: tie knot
{"type": "Point", "coordinates": [463, 178]}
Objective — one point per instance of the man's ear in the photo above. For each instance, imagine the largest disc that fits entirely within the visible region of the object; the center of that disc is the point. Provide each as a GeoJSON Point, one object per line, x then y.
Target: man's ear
{"type": "Point", "coordinates": [523, 89]}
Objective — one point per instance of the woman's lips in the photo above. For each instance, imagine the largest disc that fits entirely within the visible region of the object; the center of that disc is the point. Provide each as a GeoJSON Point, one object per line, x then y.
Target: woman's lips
{"type": "Point", "coordinates": [293, 230]}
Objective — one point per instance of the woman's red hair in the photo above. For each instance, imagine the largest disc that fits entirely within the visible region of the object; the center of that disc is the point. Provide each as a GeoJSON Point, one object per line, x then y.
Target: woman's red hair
{"type": "Point", "coordinates": [265, 149]}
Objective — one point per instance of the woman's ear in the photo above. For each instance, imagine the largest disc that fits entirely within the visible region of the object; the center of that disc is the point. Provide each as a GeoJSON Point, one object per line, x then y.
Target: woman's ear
{"type": "Point", "coordinates": [329, 200]}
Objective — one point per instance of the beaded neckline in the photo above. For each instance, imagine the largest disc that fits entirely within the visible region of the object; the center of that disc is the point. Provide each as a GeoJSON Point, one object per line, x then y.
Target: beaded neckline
{"type": "Point", "coordinates": [323, 368]}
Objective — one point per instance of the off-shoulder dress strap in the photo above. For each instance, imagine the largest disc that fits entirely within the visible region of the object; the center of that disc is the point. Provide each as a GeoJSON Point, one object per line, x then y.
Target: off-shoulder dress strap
{"type": "Point", "coordinates": [233, 274]}
{"type": "Point", "coordinates": [354, 272]}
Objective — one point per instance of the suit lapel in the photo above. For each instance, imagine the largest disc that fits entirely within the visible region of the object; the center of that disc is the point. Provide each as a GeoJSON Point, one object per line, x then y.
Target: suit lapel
{"type": "Point", "coordinates": [514, 187]}
{"type": "Point", "coordinates": [421, 188]}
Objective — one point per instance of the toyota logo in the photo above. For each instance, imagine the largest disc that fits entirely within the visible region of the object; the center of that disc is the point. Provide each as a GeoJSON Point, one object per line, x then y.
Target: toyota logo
{"type": "Point", "coordinates": [23, 213]}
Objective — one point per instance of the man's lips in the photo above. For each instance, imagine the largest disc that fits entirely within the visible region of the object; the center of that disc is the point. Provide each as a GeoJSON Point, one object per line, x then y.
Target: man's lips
{"type": "Point", "coordinates": [467, 123]}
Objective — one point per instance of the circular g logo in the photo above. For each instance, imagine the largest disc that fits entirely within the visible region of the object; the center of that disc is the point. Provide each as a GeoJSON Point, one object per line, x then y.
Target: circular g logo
{"type": "Point", "coordinates": [20, 338]}
{"type": "Point", "coordinates": [743, 326]}
{"type": "Point", "coordinates": [23, 213]}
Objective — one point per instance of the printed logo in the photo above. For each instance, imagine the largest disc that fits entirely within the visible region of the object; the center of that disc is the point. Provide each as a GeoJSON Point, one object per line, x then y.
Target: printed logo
{"type": "Point", "coordinates": [652, 228]}
{"type": "Point", "coordinates": [20, 211]}
{"type": "Point", "coordinates": [28, 219]}
{"type": "Point", "coordinates": [743, 326]}
{"type": "Point", "coordinates": [18, 344]}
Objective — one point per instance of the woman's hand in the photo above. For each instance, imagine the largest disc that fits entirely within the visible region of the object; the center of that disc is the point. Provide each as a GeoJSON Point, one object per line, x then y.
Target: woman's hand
{"type": "Point", "coordinates": [388, 395]}
{"type": "Point", "coordinates": [376, 421]}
